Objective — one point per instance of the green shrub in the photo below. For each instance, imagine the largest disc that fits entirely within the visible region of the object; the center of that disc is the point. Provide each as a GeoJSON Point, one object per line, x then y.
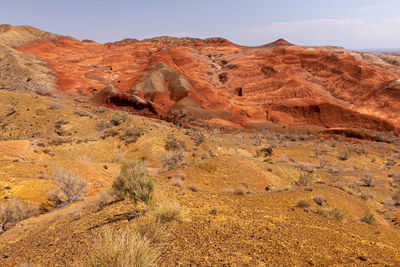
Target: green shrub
{"type": "Point", "coordinates": [368, 218]}
{"type": "Point", "coordinates": [133, 182]}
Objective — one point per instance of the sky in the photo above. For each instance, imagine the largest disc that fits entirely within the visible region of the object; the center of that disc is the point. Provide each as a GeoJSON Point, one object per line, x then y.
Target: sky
{"type": "Point", "coordinates": [353, 24]}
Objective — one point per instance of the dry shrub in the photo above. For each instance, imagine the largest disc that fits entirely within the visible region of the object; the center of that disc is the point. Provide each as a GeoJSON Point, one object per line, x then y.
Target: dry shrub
{"type": "Point", "coordinates": [167, 212]}
{"type": "Point", "coordinates": [334, 178]}
{"type": "Point", "coordinates": [173, 144]}
{"type": "Point", "coordinates": [344, 155]}
{"type": "Point", "coordinates": [13, 211]}
{"type": "Point", "coordinates": [303, 204]}
{"type": "Point", "coordinates": [368, 179]}
{"type": "Point", "coordinates": [101, 199]}
{"type": "Point", "coordinates": [209, 167]}
{"type": "Point", "coordinates": [121, 248]}
{"type": "Point", "coordinates": [118, 119]}
{"type": "Point", "coordinates": [227, 190]}
{"type": "Point", "coordinates": [180, 175]}
{"type": "Point", "coordinates": [240, 191]}
{"type": "Point", "coordinates": [70, 188]}
{"type": "Point", "coordinates": [307, 167]}
{"type": "Point", "coordinates": [109, 132]}
{"type": "Point", "coordinates": [81, 113]}
{"type": "Point", "coordinates": [305, 179]}
{"type": "Point", "coordinates": [131, 135]}
{"type": "Point", "coordinates": [396, 198]}
{"type": "Point", "coordinates": [390, 161]}
{"type": "Point", "coordinates": [133, 182]}
{"type": "Point", "coordinates": [331, 213]}
{"type": "Point", "coordinates": [319, 200]}
{"type": "Point", "coordinates": [172, 159]}
{"type": "Point", "coordinates": [177, 182]}
{"type": "Point", "coordinates": [323, 161]}
{"type": "Point", "coordinates": [193, 188]}
{"type": "Point", "coordinates": [198, 138]}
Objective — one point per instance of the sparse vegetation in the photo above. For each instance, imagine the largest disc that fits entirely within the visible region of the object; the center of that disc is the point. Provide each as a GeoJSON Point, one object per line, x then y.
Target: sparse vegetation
{"type": "Point", "coordinates": [305, 179]}
{"type": "Point", "coordinates": [368, 218]}
{"type": "Point", "coordinates": [69, 188]}
{"type": "Point", "coordinates": [131, 135]}
{"type": "Point", "coordinates": [118, 119]}
{"type": "Point", "coordinates": [303, 204]}
{"type": "Point", "coordinates": [101, 199]}
{"type": "Point", "coordinates": [240, 191]}
{"type": "Point", "coordinates": [227, 190]}
{"type": "Point", "coordinates": [368, 179]}
{"type": "Point", "coordinates": [198, 138]}
{"type": "Point", "coordinates": [13, 211]}
{"type": "Point", "coordinates": [167, 212]}
{"type": "Point", "coordinates": [173, 144]}
{"type": "Point", "coordinates": [126, 247]}
{"type": "Point", "coordinates": [193, 188]}
{"type": "Point", "coordinates": [319, 200]}
{"type": "Point", "coordinates": [172, 159]}
{"type": "Point", "coordinates": [210, 167]}
{"type": "Point", "coordinates": [343, 155]}
{"type": "Point", "coordinates": [109, 132]}
{"type": "Point", "coordinates": [331, 213]}
{"type": "Point", "coordinates": [133, 182]}
{"type": "Point", "coordinates": [396, 198]}
{"type": "Point", "coordinates": [323, 161]}
{"type": "Point", "coordinates": [81, 113]}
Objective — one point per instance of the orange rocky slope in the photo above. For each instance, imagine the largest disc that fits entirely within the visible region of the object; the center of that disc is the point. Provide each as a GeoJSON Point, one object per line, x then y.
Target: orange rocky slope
{"type": "Point", "coordinates": [216, 81]}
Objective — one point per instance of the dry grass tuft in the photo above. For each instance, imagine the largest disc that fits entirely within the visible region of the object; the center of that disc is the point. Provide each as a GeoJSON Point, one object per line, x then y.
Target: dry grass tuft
{"type": "Point", "coordinates": [151, 228]}
{"type": "Point", "coordinates": [169, 211]}
{"type": "Point", "coordinates": [121, 248]}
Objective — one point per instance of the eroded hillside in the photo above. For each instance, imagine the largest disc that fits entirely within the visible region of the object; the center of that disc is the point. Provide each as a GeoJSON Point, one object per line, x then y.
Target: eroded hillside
{"type": "Point", "coordinates": [301, 200]}
{"type": "Point", "coordinates": [214, 81]}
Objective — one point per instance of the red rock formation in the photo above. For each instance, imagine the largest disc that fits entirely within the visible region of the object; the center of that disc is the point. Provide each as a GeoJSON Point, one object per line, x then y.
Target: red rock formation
{"type": "Point", "coordinates": [218, 81]}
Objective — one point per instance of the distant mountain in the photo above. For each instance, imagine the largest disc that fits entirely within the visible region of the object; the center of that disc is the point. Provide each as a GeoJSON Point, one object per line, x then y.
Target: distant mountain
{"type": "Point", "coordinates": [381, 50]}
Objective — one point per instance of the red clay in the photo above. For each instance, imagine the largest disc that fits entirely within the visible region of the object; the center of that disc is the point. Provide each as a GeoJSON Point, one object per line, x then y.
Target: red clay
{"type": "Point", "coordinates": [215, 80]}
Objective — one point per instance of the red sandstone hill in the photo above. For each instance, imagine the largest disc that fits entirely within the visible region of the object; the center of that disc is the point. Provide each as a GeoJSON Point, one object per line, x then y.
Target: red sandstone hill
{"type": "Point", "coordinates": [216, 81]}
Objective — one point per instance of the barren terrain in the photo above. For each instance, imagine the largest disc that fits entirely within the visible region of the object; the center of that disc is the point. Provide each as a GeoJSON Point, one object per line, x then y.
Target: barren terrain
{"type": "Point", "coordinates": [278, 154]}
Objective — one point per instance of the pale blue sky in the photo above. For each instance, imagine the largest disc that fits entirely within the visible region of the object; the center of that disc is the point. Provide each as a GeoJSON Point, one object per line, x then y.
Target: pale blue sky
{"type": "Point", "coordinates": [348, 23]}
